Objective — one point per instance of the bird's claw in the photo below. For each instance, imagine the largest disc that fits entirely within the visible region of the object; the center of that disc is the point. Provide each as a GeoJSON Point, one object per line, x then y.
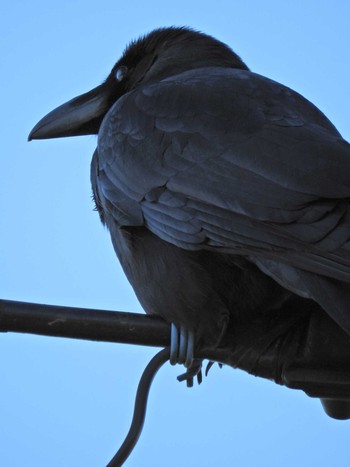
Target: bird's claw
{"type": "Point", "coordinates": [194, 370]}
{"type": "Point", "coordinates": [210, 364]}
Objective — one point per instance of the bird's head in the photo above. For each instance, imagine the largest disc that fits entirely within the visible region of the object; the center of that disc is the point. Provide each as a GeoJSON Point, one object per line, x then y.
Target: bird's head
{"type": "Point", "coordinates": [158, 55]}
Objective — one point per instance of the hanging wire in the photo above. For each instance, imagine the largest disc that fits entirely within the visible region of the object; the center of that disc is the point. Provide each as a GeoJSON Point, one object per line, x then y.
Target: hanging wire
{"type": "Point", "coordinates": [140, 408]}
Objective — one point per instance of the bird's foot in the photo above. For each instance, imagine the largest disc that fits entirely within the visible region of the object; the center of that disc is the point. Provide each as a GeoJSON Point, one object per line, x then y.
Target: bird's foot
{"type": "Point", "coordinates": [182, 344]}
{"type": "Point", "coordinates": [195, 370]}
{"type": "Point", "coordinates": [209, 365]}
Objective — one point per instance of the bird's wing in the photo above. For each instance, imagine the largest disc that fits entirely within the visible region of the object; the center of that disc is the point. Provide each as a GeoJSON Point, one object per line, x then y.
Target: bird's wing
{"type": "Point", "coordinates": [223, 158]}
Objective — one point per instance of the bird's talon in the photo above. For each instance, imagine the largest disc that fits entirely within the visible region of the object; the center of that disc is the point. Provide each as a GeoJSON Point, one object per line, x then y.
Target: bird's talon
{"type": "Point", "coordinates": [209, 365]}
{"type": "Point", "coordinates": [207, 369]}
{"type": "Point", "coordinates": [194, 370]}
{"type": "Point", "coordinates": [189, 382]}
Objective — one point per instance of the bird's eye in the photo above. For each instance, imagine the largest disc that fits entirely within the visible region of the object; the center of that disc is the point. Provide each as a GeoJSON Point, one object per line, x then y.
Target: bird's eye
{"type": "Point", "coordinates": [121, 73]}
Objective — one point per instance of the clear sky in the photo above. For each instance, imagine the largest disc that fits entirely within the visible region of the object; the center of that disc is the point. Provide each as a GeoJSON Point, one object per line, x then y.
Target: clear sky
{"type": "Point", "coordinates": [68, 403]}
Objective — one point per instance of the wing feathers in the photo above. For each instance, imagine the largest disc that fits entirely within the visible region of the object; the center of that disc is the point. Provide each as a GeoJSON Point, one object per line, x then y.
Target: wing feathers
{"type": "Point", "coordinates": [226, 159]}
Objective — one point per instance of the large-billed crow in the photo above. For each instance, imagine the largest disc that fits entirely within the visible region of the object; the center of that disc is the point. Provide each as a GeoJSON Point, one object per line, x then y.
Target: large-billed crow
{"type": "Point", "coordinates": [225, 193]}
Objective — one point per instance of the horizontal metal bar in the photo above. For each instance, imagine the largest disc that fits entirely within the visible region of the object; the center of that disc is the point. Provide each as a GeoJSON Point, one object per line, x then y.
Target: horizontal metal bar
{"type": "Point", "coordinates": [83, 323]}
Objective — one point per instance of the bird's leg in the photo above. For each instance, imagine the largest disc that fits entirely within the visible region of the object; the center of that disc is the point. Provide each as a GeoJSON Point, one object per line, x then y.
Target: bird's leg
{"type": "Point", "coordinates": [182, 345]}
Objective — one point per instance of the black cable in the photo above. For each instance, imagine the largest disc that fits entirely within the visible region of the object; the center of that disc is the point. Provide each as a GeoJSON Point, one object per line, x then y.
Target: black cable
{"type": "Point", "coordinates": [140, 408]}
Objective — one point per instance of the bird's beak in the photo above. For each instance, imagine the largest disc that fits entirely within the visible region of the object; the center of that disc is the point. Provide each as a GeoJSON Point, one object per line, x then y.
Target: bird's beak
{"type": "Point", "coordinates": [80, 116]}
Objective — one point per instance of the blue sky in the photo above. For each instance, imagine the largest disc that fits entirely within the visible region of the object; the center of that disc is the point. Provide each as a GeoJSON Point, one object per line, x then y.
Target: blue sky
{"type": "Point", "coordinates": [68, 403]}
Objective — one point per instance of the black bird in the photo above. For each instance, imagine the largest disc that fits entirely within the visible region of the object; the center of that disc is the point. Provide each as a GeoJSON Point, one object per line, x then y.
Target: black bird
{"type": "Point", "coordinates": [225, 193]}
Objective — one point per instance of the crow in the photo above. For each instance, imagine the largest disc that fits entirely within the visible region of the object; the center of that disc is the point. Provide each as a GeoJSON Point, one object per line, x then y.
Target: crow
{"type": "Point", "coordinates": [226, 194]}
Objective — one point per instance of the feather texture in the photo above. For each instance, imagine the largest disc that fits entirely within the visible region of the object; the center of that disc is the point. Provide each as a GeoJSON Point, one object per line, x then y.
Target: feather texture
{"type": "Point", "coordinates": [228, 161]}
